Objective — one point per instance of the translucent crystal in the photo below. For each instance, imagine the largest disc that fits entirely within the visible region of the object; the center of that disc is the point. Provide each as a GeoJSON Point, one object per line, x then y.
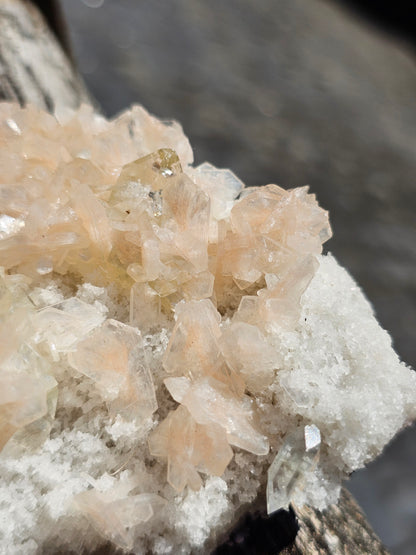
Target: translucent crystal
{"type": "Point", "coordinates": [210, 401]}
{"type": "Point", "coordinates": [279, 302]}
{"type": "Point", "coordinates": [190, 447]}
{"type": "Point", "coordinates": [30, 437]}
{"type": "Point", "coordinates": [188, 210]}
{"type": "Point", "coordinates": [292, 219]}
{"type": "Point", "coordinates": [113, 357]}
{"type": "Point", "coordinates": [62, 326]}
{"type": "Point", "coordinates": [142, 133]}
{"type": "Point", "coordinates": [93, 215]}
{"type": "Point", "coordinates": [9, 225]}
{"type": "Point", "coordinates": [248, 353]}
{"type": "Point", "coordinates": [223, 187]}
{"type": "Point", "coordinates": [193, 347]}
{"type": "Point", "coordinates": [44, 266]}
{"type": "Point", "coordinates": [154, 171]}
{"type": "Point", "coordinates": [296, 458]}
{"type": "Point", "coordinates": [23, 401]}
{"type": "Point", "coordinates": [145, 306]}
{"type": "Point", "coordinates": [115, 517]}
{"type": "Point", "coordinates": [199, 286]}
{"type": "Point", "coordinates": [15, 325]}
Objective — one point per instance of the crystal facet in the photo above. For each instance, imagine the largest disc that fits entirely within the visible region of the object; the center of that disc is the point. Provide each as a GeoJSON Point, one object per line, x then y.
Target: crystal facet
{"type": "Point", "coordinates": [113, 357]}
{"type": "Point", "coordinates": [289, 470]}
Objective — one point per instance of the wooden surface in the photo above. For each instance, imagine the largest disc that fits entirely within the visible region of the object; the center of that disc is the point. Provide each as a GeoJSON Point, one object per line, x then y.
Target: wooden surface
{"type": "Point", "coordinates": [34, 68]}
{"type": "Point", "coordinates": [342, 529]}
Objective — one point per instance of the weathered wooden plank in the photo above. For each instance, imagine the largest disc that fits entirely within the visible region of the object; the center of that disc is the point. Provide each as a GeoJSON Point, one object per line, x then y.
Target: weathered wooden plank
{"type": "Point", "coordinates": [33, 66]}
{"type": "Point", "coordinates": [341, 529]}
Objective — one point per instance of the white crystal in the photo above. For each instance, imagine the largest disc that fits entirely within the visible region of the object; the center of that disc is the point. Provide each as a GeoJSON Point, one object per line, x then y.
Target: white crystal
{"type": "Point", "coordinates": [312, 437]}
{"type": "Point", "coordinates": [290, 468]}
{"type": "Point", "coordinates": [62, 326]}
{"type": "Point", "coordinates": [10, 225]}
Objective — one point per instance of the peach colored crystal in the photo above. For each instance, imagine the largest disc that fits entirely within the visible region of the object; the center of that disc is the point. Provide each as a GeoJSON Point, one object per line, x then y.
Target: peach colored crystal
{"type": "Point", "coordinates": [118, 205]}
{"type": "Point", "coordinates": [190, 447]}
{"type": "Point", "coordinates": [113, 357]}
{"type": "Point", "coordinates": [114, 513]}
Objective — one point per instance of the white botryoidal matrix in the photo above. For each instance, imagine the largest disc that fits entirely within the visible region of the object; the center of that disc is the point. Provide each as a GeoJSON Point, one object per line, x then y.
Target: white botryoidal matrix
{"type": "Point", "coordinates": [170, 342]}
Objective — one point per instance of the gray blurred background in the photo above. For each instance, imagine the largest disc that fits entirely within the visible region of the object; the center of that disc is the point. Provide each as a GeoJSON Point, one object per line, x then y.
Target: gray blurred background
{"type": "Point", "coordinates": [290, 92]}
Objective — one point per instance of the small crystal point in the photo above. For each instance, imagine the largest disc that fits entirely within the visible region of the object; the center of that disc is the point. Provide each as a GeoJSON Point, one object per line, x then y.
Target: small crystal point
{"type": "Point", "coordinates": [312, 437]}
{"type": "Point", "coordinates": [154, 170]}
{"type": "Point", "coordinates": [289, 470]}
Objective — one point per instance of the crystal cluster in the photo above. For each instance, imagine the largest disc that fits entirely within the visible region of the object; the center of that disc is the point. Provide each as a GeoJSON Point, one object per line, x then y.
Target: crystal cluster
{"type": "Point", "coordinates": [169, 339]}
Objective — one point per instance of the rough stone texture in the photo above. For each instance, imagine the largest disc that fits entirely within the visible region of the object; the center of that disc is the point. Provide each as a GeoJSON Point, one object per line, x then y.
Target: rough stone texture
{"type": "Point", "coordinates": [330, 103]}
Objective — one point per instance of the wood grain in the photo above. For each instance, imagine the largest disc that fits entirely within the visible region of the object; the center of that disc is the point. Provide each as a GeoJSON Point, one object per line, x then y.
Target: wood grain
{"type": "Point", "coordinates": [33, 66]}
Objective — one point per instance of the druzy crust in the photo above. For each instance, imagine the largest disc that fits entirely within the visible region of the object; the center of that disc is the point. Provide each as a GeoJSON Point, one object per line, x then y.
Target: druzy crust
{"type": "Point", "coordinates": [170, 340]}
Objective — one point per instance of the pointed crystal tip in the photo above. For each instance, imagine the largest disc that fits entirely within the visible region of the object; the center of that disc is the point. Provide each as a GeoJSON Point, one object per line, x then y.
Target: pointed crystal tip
{"type": "Point", "coordinates": [312, 437]}
{"type": "Point", "coordinates": [289, 472]}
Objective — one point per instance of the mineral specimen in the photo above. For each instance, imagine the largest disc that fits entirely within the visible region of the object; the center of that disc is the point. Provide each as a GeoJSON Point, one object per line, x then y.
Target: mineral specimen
{"type": "Point", "coordinates": [169, 339]}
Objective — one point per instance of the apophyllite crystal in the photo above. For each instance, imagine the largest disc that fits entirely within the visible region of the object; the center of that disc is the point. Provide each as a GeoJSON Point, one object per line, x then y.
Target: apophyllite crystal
{"type": "Point", "coordinates": [170, 342]}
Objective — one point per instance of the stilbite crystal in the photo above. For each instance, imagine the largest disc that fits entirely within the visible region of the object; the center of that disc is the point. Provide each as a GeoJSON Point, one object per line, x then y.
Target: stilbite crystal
{"type": "Point", "coordinates": [210, 401]}
{"type": "Point", "coordinates": [23, 401]}
{"type": "Point", "coordinates": [114, 513]}
{"type": "Point", "coordinates": [113, 357]}
{"type": "Point", "coordinates": [62, 325]}
{"type": "Point", "coordinates": [152, 315]}
{"type": "Point", "coordinates": [249, 355]}
{"type": "Point", "coordinates": [193, 347]}
{"type": "Point", "coordinates": [190, 446]}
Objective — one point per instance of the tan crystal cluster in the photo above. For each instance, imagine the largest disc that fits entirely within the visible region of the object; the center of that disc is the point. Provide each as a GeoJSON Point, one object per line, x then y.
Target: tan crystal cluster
{"type": "Point", "coordinates": [117, 207]}
{"type": "Point", "coordinates": [169, 340]}
{"type": "Point", "coordinates": [114, 204]}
